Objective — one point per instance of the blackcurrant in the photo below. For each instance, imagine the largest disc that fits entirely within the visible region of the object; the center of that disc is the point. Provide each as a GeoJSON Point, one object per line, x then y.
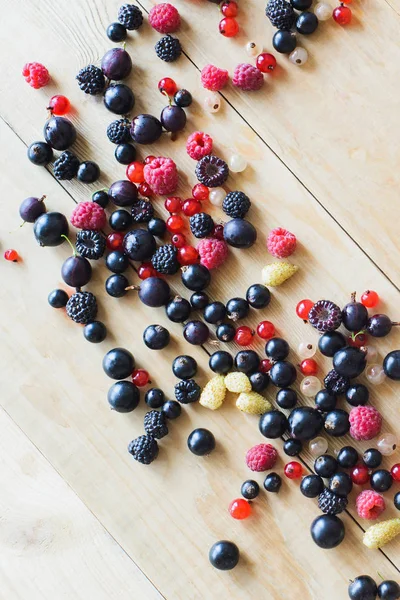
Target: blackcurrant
{"type": "Point", "coordinates": [171, 409]}
{"type": "Point", "coordinates": [154, 398]}
{"type": "Point", "coordinates": [123, 396]}
{"type": "Point", "coordinates": [336, 422]}
{"type": "Point", "coordinates": [326, 465]}
{"type": "Point", "coordinates": [117, 261]}
{"type": "Point", "coordinates": [214, 312]}
{"type": "Point", "coordinates": [292, 447]}
{"type": "Point", "coordinates": [286, 398]}
{"type": "Point", "coordinates": [196, 332]}
{"type": "Point", "coordinates": [305, 422]}
{"type": "Point", "coordinates": [283, 374]}
{"type": "Point", "coordinates": [341, 484]}
{"type": "Point", "coordinates": [381, 480]}
{"type": "Point", "coordinates": [277, 349]}
{"type": "Point", "coordinates": [372, 458]}
{"type": "Point", "coordinates": [157, 227]}
{"type": "Point", "coordinates": [259, 381]}
{"type": "Point", "coordinates": [237, 308]}
{"type": "Point", "coordinates": [225, 332]}
{"type": "Point", "coordinates": [116, 285]}
{"type": "Point", "coordinates": [273, 483]}
{"type": "Point", "coordinates": [120, 220]}
{"type": "Point", "coordinates": [196, 277]}
{"type": "Point", "coordinates": [327, 531]}
{"type": "Point", "coordinates": [221, 362]}
{"type": "Point", "coordinates": [349, 362]}
{"type": "Point", "coordinates": [125, 153]}
{"type": "Point", "coordinates": [118, 363]}
{"type": "Point", "coordinates": [330, 342]}
{"type": "Point", "coordinates": [201, 442]}
{"type": "Point", "coordinates": [357, 394]}
{"type": "Point", "coordinates": [247, 361]}
{"type": "Point", "coordinates": [311, 486]}
{"type": "Point", "coordinates": [156, 337]}
{"type": "Point", "coordinates": [178, 309]}
{"type": "Point", "coordinates": [95, 332]}
{"type": "Point", "coordinates": [184, 367]}
{"type": "Point", "coordinates": [199, 300]}
{"type": "Point", "coordinates": [273, 424]}
{"type": "Point", "coordinates": [362, 588]}
{"type": "Point", "coordinates": [58, 298]}
{"type": "Point", "coordinates": [258, 296]}
{"type": "Point", "coordinates": [250, 489]}
{"type": "Point", "coordinates": [325, 400]}
{"type": "Point", "coordinates": [347, 457]}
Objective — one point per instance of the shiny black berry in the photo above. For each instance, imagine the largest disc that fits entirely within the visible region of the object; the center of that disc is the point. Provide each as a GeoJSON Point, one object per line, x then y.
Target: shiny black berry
{"type": "Point", "coordinates": [214, 312]}
{"type": "Point", "coordinates": [259, 381]}
{"type": "Point", "coordinates": [123, 396]}
{"type": "Point", "coordinates": [327, 531]}
{"type": "Point", "coordinates": [237, 308]}
{"type": "Point", "coordinates": [341, 484]}
{"type": "Point", "coordinates": [196, 277]}
{"type": "Point", "coordinates": [372, 458]}
{"type": "Point", "coordinates": [391, 365]}
{"type": "Point", "coordinates": [362, 588]}
{"type": "Point", "coordinates": [286, 398]}
{"type": "Point", "coordinates": [156, 337]}
{"type": "Point", "coordinates": [396, 500]}
{"type": "Point", "coordinates": [178, 309]}
{"type": "Point", "coordinates": [381, 480]}
{"type": "Point", "coordinates": [116, 285]}
{"type": "Point", "coordinates": [379, 325]}
{"type": "Point", "coordinates": [354, 315]}
{"type": "Point", "coordinates": [120, 220]}
{"type": "Point", "coordinates": [184, 367]}
{"type": "Point", "coordinates": [349, 362]}
{"type": "Point", "coordinates": [201, 442]}
{"type": "Point", "coordinates": [101, 198]}
{"type": "Point", "coordinates": [125, 153]}
{"type": "Point", "coordinates": [336, 422]}
{"type": "Point", "coordinates": [154, 398]}
{"type": "Point", "coordinates": [357, 394]}
{"type": "Point", "coordinates": [273, 424]}
{"type": "Point", "coordinates": [347, 457]}
{"type": "Point", "coordinates": [306, 23]}
{"type": "Point", "coordinates": [283, 374]}
{"type": "Point", "coordinates": [119, 99]}
{"type": "Point", "coordinates": [221, 362]}
{"type": "Point", "coordinates": [240, 233]}
{"type": "Point", "coordinates": [311, 486]}
{"type": "Point", "coordinates": [58, 298]}
{"type": "Point", "coordinates": [247, 361]}
{"type": "Point", "coordinates": [389, 590]}
{"type": "Point", "coordinates": [292, 447]}
{"type": "Point", "coordinates": [305, 422]}
{"type": "Point", "coordinates": [224, 555]}
{"type": "Point", "coordinates": [326, 465]}
{"type": "Point", "coordinates": [250, 489]}
{"type": "Point", "coordinates": [157, 227]}
{"type": "Point", "coordinates": [199, 300]}
{"type": "Point", "coordinates": [284, 42]}
{"type": "Point", "coordinates": [116, 32]}
{"type": "Point", "coordinates": [183, 98]}
{"type": "Point", "coordinates": [117, 261]}
{"type": "Point", "coordinates": [118, 363]}
{"type": "Point", "coordinates": [40, 153]}
{"type": "Point", "coordinates": [330, 342]}
{"type": "Point", "coordinates": [325, 400]}
{"type": "Point", "coordinates": [95, 332]}
{"type": "Point", "coordinates": [225, 332]}
{"type": "Point", "coordinates": [196, 332]}
{"type": "Point", "coordinates": [171, 409]}
{"type": "Point", "coordinates": [277, 349]}
{"type": "Point", "coordinates": [258, 296]}
{"type": "Point", "coordinates": [273, 483]}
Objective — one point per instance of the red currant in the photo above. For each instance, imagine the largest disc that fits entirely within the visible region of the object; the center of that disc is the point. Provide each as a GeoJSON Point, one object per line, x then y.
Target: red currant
{"type": "Point", "coordinates": [178, 240]}
{"type": "Point", "coordinates": [145, 190]}
{"type": "Point", "coordinates": [148, 159]}
{"type": "Point", "coordinates": [59, 105]}
{"type": "Point", "coordinates": [265, 365]}
{"type": "Point", "coordinates": [191, 207]}
{"type": "Point", "coordinates": [134, 172]}
{"type": "Point", "coordinates": [166, 85]}
{"type": "Point", "coordinates": [293, 470]}
{"type": "Point", "coordinates": [357, 340]}
{"type": "Point", "coordinates": [359, 474]}
{"type": "Point", "coordinates": [370, 299]}
{"type": "Point", "coordinates": [342, 15]}
{"type": "Point", "coordinates": [218, 232]}
{"type": "Point", "coordinates": [229, 8]}
{"type": "Point", "coordinates": [229, 27]}
{"type": "Point", "coordinates": [308, 367]}
{"type": "Point", "coordinates": [187, 255]}
{"type": "Point", "coordinates": [11, 255]}
{"type": "Point", "coordinates": [114, 241]}
{"type": "Point", "coordinates": [175, 224]}
{"type": "Point", "coordinates": [146, 270]}
{"type": "Point", "coordinates": [265, 62]}
{"type": "Point", "coordinates": [240, 509]}
{"type": "Point", "coordinates": [200, 192]}
{"type": "Point", "coordinates": [303, 308]}
{"type": "Point", "coordinates": [244, 335]}
{"type": "Point", "coordinates": [395, 472]}
{"type": "Point", "coordinates": [140, 377]}
{"type": "Point", "coordinates": [265, 330]}
{"type": "Point", "coordinates": [173, 204]}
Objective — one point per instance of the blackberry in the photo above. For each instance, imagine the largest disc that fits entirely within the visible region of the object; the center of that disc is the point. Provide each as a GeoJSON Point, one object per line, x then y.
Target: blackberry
{"type": "Point", "coordinates": [187, 391]}
{"type": "Point", "coordinates": [168, 48]}
{"type": "Point", "coordinates": [336, 383]}
{"type": "Point", "coordinates": [144, 449]}
{"type": "Point", "coordinates": [142, 211]}
{"type": "Point", "coordinates": [82, 307]}
{"type": "Point", "coordinates": [201, 225]}
{"type": "Point", "coordinates": [91, 80]}
{"type": "Point", "coordinates": [330, 503]}
{"type": "Point", "coordinates": [90, 244]}
{"type": "Point", "coordinates": [164, 260]}
{"type": "Point", "coordinates": [155, 424]}
{"type": "Point", "coordinates": [66, 166]}
{"type": "Point", "coordinates": [130, 16]}
{"type": "Point", "coordinates": [325, 315]}
{"type": "Point", "coordinates": [212, 171]}
{"type": "Point", "coordinates": [236, 205]}
{"type": "Point", "coordinates": [281, 14]}
{"type": "Point", "coordinates": [118, 132]}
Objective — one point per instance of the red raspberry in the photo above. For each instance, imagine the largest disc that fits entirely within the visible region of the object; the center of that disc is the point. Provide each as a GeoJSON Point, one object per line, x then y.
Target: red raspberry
{"type": "Point", "coordinates": [164, 18]}
{"type": "Point", "coordinates": [36, 75]}
{"type": "Point", "coordinates": [365, 422]}
{"type": "Point", "coordinates": [370, 505]}
{"type": "Point", "coordinates": [199, 144]}
{"type": "Point", "coordinates": [88, 215]}
{"type": "Point", "coordinates": [281, 243]}
{"type": "Point", "coordinates": [161, 175]}
{"type": "Point", "coordinates": [261, 457]}
{"type": "Point", "coordinates": [214, 78]}
{"type": "Point", "coordinates": [247, 78]}
{"type": "Point", "coordinates": [212, 252]}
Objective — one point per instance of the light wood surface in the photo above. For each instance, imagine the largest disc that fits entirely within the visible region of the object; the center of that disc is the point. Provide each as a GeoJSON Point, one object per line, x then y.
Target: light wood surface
{"type": "Point", "coordinates": [79, 517]}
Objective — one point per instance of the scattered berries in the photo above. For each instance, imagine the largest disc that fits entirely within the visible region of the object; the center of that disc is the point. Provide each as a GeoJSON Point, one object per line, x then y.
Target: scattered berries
{"type": "Point", "coordinates": [370, 299]}
{"type": "Point", "coordinates": [261, 457]}
{"type": "Point", "coordinates": [161, 175]}
{"type": "Point", "coordinates": [214, 78]}
{"type": "Point", "coordinates": [199, 144]}
{"type": "Point", "coordinates": [370, 505]}
{"type": "Point", "coordinates": [144, 449]}
{"type": "Point", "coordinates": [237, 382]}
{"type": "Point", "coordinates": [166, 85]}
{"type": "Point", "coordinates": [365, 422]}
{"type": "Point", "coordinates": [164, 18]}
{"type": "Point", "coordinates": [247, 78]}
{"type": "Point", "coordinates": [277, 273]}
{"type": "Point", "coordinates": [253, 403]}
{"type": "Point", "coordinates": [214, 392]}
{"type": "Point", "coordinates": [213, 252]}
{"type": "Point", "coordinates": [59, 105]}
{"type": "Point", "coordinates": [36, 75]}
{"type": "Point", "coordinates": [281, 243]}
{"type": "Point", "coordinates": [236, 205]}
{"type": "Point", "coordinates": [380, 534]}
{"type": "Point", "coordinates": [266, 62]}
{"type": "Point", "coordinates": [240, 509]}
{"type": "Point", "coordinates": [11, 255]}
{"type": "Point", "coordinates": [168, 48]}
{"type": "Point", "coordinates": [293, 470]}
{"type": "Point", "coordinates": [228, 27]}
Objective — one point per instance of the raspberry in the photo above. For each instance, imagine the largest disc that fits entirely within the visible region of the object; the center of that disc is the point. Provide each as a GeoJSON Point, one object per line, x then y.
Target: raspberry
{"type": "Point", "coordinates": [212, 252]}
{"type": "Point", "coordinates": [214, 78]}
{"type": "Point", "coordinates": [199, 144]}
{"type": "Point", "coordinates": [281, 243]}
{"type": "Point", "coordinates": [88, 215]}
{"type": "Point", "coordinates": [365, 422]}
{"type": "Point", "coordinates": [261, 457]}
{"type": "Point", "coordinates": [161, 175]}
{"type": "Point", "coordinates": [370, 505]}
{"type": "Point", "coordinates": [164, 18]}
{"type": "Point", "coordinates": [247, 78]}
{"type": "Point", "coordinates": [36, 75]}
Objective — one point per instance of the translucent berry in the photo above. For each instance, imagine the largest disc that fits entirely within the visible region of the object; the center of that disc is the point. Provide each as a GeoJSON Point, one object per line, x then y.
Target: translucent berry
{"type": "Point", "coordinates": [265, 330]}
{"type": "Point", "coordinates": [310, 386]}
{"type": "Point", "coordinates": [342, 15]}
{"type": "Point", "coordinates": [318, 446]}
{"type": "Point", "coordinates": [145, 190]}
{"type": "Point", "coordinates": [59, 105]}
{"type": "Point", "coordinates": [265, 365]}
{"type": "Point", "coordinates": [229, 8]}
{"type": "Point", "coordinates": [114, 241]}
{"type": "Point", "coordinates": [140, 377]}
{"type": "Point", "coordinates": [146, 270]}
{"type": "Point", "coordinates": [244, 335]}
{"type": "Point", "coordinates": [191, 207]}
{"type": "Point", "coordinates": [218, 232]}
{"type": "Point", "coordinates": [148, 159]}
{"type": "Point", "coordinates": [359, 474]}
{"type": "Point", "coordinates": [387, 444]}
{"type": "Point", "coordinates": [308, 367]}
{"type": "Point", "coordinates": [240, 509]}
{"type": "Point", "coordinates": [395, 472]}
{"type": "Point", "coordinates": [200, 192]}
{"type": "Point", "coordinates": [175, 223]}
{"type": "Point", "coordinates": [229, 27]}
{"type": "Point", "coordinates": [178, 240]}
{"type": "Point", "coordinates": [293, 470]}
{"type": "Point", "coordinates": [187, 255]}
{"type": "Point", "coordinates": [166, 85]}
{"type": "Point", "coordinates": [303, 308]}
{"type": "Point", "coordinates": [370, 299]}
{"type": "Point", "coordinates": [265, 62]}
{"type": "Point", "coordinates": [134, 172]}
{"type": "Point", "coordinates": [173, 204]}
{"type": "Point", "coordinates": [11, 255]}
{"type": "Point", "coordinates": [306, 349]}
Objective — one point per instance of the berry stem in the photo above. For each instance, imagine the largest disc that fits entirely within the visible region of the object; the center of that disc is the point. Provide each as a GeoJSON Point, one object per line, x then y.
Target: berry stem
{"type": "Point", "coordinates": [136, 288]}
{"type": "Point", "coordinates": [74, 252]}
{"type": "Point", "coordinates": [353, 296]}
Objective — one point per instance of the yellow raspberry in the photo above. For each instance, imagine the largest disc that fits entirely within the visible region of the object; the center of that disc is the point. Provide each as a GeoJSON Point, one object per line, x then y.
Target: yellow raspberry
{"type": "Point", "coordinates": [213, 393]}
{"type": "Point", "coordinates": [253, 403]}
{"type": "Point", "coordinates": [276, 273]}
{"type": "Point", "coordinates": [237, 382]}
{"type": "Point", "coordinates": [380, 534]}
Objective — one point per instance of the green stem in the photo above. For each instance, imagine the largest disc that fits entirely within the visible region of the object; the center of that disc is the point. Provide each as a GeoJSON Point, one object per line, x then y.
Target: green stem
{"type": "Point", "coordinates": [74, 253]}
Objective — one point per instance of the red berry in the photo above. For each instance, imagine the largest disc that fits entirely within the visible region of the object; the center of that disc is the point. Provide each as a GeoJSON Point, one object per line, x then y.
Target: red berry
{"type": "Point", "coordinates": [265, 62]}
{"type": "Point", "coordinates": [200, 192]}
{"type": "Point", "coordinates": [191, 207]}
{"type": "Point", "coordinates": [244, 335]}
{"type": "Point", "coordinates": [178, 240]}
{"type": "Point", "coordinates": [395, 472]}
{"type": "Point", "coordinates": [114, 241]}
{"type": "Point", "coordinates": [265, 330]}
{"type": "Point", "coordinates": [229, 27]}
{"type": "Point", "coordinates": [229, 8]}
{"type": "Point", "coordinates": [342, 15]}
{"type": "Point", "coordinates": [175, 224]}
{"type": "Point", "coordinates": [308, 367]}
{"type": "Point", "coordinates": [240, 509]}
{"type": "Point", "coordinates": [148, 159]}
{"type": "Point", "coordinates": [145, 190]}
{"type": "Point", "coordinates": [357, 340]}
{"type": "Point", "coordinates": [146, 270]}
{"type": "Point", "coordinates": [11, 255]}
{"type": "Point", "coordinates": [187, 255]}
{"type": "Point", "coordinates": [218, 232]}
{"type": "Point", "coordinates": [166, 85]}
{"type": "Point", "coordinates": [140, 377]}
{"type": "Point", "coordinates": [134, 172]}
{"type": "Point", "coordinates": [59, 105]}
{"type": "Point", "coordinates": [359, 474]}
{"type": "Point", "coordinates": [293, 470]}
{"type": "Point", "coordinates": [265, 365]}
{"type": "Point", "coordinates": [370, 299]}
{"type": "Point", "coordinates": [173, 204]}
{"type": "Point", "coordinates": [303, 308]}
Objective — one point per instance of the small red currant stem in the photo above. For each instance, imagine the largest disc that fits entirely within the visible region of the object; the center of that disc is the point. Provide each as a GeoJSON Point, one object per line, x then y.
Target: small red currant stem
{"type": "Point", "coordinates": [124, 46]}
{"type": "Point", "coordinates": [353, 296]}
{"type": "Point", "coordinates": [354, 335]}
{"type": "Point", "coordinates": [74, 252]}
{"type": "Point", "coordinates": [136, 288]}
{"type": "Point", "coordinates": [395, 323]}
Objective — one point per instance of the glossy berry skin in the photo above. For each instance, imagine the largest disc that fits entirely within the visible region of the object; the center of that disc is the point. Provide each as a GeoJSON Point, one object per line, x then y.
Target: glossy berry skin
{"type": "Point", "coordinates": [123, 396]}
{"type": "Point", "coordinates": [58, 298]}
{"type": "Point", "coordinates": [292, 447]}
{"type": "Point", "coordinates": [273, 424]}
{"type": "Point", "coordinates": [293, 470]}
{"type": "Point", "coordinates": [125, 153]}
{"type": "Point", "coordinates": [308, 367]}
{"type": "Point", "coordinates": [200, 192]}
{"type": "Point", "coordinates": [381, 480]}
{"type": "Point", "coordinates": [395, 472]}
{"type": "Point", "coordinates": [305, 422]}
{"type": "Point", "coordinates": [196, 332]}
{"type": "Point", "coordinates": [327, 531]}
{"type": "Point", "coordinates": [354, 316]}
{"type": "Point", "coordinates": [229, 27]}
{"type": "Point", "coordinates": [330, 342]}
{"type": "Point", "coordinates": [11, 255]}
{"type": "Point", "coordinates": [173, 204]}
{"type": "Point", "coordinates": [359, 475]}
{"type": "Point", "coordinates": [389, 590]}
{"type": "Point", "coordinates": [370, 299]}
{"type": "Point", "coordinates": [88, 172]}
{"type": "Point", "coordinates": [199, 300]}
{"type": "Point", "coordinates": [59, 105]}
{"type": "Point", "coordinates": [119, 99]}
{"type": "Point", "coordinates": [114, 241]}
{"type": "Point", "coordinates": [154, 398]}
{"type": "Point", "coordinates": [265, 330]}
{"type": "Point", "coordinates": [277, 349]}
{"type": "Point", "coordinates": [156, 337]}
{"type": "Point", "coordinates": [342, 15]}
{"type": "Point", "coordinates": [175, 224]}
{"type": "Point", "coordinates": [336, 422]}
{"type": "Point", "coordinates": [167, 86]}
{"type": "Point", "coordinates": [396, 500]}
{"type": "Point", "coordinates": [347, 457]}
{"type": "Point", "coordinates": [284, 42]}
{"type": "Point", "coordinates": [244, 335]}
{"type": "Point", "coordinates": [240, 233]}
{"type": "Point", "coordinates": [258, 296]}
{"type": "Point", "coordinates": [140, 377]}
{"type": "Point", "coordinates": [265, 365]}
{"type": "Point", "coordinates": [221, 362]}
{"type": "Point", "coordinates": [117, 262]}
{"type": "Point", "coordinates": [191, 207]}
{"type": "Point", "coordinates": [118, 363]}
{"type": "Point", "coordinates": [303, 308]}
{"type": "Point", "coordinates": [214, 313]}
{"type": "Point", "coordinates": [247, 361]}
{"type": "Point", "coordinates": [349, 362]}
{"type": "Point", "coordinates": [379, 325]}
{"type": "Point", "coordinates": [120, 220]}
{"type": "Point", "coordinates": [325, 400]}
{"type": "Point", "coordinates": [283, 374]}
{"type": "Point", "coordinates": [341, 484]}
{"type": "Point", "coordinates": [59, 133]}
{"type": "Point", "coordinates": [239, 509]}
{"type": "Point", "coordinates": [391, 365]}
{"type": "Point", "coordinates": [357, 394]}
{"type": "Point", "coordinates": [116, 64]}
{"type": "Point", "coordinates": [224, 555]}
{"type": "Point", "coordinates": [95, 332]}
{"type": "Point", "coordinates": [363, 588]}
{"type": "Point", "coordinates": [259, 381]}
{"type": "Point", "coordinates": [237, 308]}
{"type": "Point", "coordinates": [157, 227]}
{"type": "Point", "coordinates": [171, 409]}
{"type": "Point", "coordinates": [306, 23]}
{"type": "Point", "coordinates": [183, 98]}
{"type": "Point", "coordinates": [173, 118]}
{"type": "Point", "coordinates": [326, 465]}
{"type": "Point", "coordinates": [225, 332]}
{"type": "Point", "coordinates": [202, 442]}
{"type": "Point", "coordinates": [178, 309]}
{"type": "Point", "coordinates": [40, 153]}
{"type": "Point", "coordinates": [311, 486]}
{"type": "Point", "coordinates": [273, 483]}
{"type": "Point", "coordinates": [195, 277]}
{"type": "Point", "coordinates": [49, 227]}
{"type": "Point", "coordinates": [116, 285]}
{"type": "Point", "coordinates": [229, 8]}
{"type": "Point", "coordinates": [145, 190]}
{"type": "Point", "coordinates": [101, 198]}
{"type": "Point", "coordinates": [116, 32]}
{"type": "Point", "coordinates": [154, 292]}
{"type": "Point", "coordinates": [184, 367]}
{"type": "Point", "coordinates": [134, 172]}
{"type": "Point", "coordinates": [301, 4]}
{"type": "Point", "coordinates": [266, 63]}
{"type": "Point", "coordinates": [286, 398]}
{"type": "Point", "coordinates": [250, 489]}
{"type": "Point", "coordinates": [372, 458]}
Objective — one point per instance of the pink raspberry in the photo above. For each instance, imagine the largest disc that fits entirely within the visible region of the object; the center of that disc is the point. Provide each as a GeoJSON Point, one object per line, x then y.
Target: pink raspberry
{"type": "Point", "coordinates": [214, 78]}
{"type": "Point", "coordinates": [36, 75]}
{"type": "Point", "coordinates": [261, 457]}
{"type": "Point", "coordinates": [365, 422]}
{"type": "Point", "coordinates": [88, 215]}
{"type": "Point", "coordinates": [164, 18]}
{"type": "Point", "coordinates": [161, 175]}
{"type": "Point", "coordinates": [199, 144]}
{"type": "Point", "coordinates": [247, 78]}
{"type": "Point", "coordinates": [281, 243]}
{"type": "Point", "coordinates": [212, 252]}
{"type": "Point", "coordinates": [370, 505]}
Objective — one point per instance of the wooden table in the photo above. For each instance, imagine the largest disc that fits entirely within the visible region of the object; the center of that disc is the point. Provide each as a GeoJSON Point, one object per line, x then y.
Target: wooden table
{"type": "Point", "coordinates": [79, 517]}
